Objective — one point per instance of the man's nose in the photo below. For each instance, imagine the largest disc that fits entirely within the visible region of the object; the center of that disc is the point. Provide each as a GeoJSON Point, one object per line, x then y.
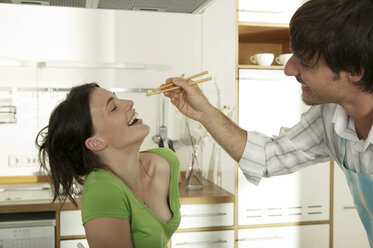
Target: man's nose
{"type": "Point", "coordinates": [290, 67]}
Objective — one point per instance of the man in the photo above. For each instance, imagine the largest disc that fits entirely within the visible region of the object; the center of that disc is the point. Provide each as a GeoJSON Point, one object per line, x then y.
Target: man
{"type": "Point", "coordinates": [332, 44]}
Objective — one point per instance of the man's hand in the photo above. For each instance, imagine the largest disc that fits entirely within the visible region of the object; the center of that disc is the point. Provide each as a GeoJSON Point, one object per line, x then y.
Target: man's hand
{"type": "Point", "coordinates": [189, 99]}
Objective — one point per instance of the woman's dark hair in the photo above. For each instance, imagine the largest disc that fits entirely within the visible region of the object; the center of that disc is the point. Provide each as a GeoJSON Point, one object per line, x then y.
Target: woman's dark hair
{"type": "Point", "coordinates": [339, 30]}
{"type": "Point", "coordinates": [61, 144]}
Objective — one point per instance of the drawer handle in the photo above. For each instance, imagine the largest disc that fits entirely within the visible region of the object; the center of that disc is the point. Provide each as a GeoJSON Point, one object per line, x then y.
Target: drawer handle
{"type": "Point", "coordinates": [259, 238]}
{"type": "Point", "coordinates": [203, 242]}
{"type": "Point", "coordinates": [203, 215]}
{"type": "Point", "coordinates": [349, 207]}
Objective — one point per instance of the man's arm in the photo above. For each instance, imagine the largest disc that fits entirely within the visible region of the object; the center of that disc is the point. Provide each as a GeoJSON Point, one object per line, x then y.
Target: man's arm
{"type": "Point", "coordinates": [193, 103]}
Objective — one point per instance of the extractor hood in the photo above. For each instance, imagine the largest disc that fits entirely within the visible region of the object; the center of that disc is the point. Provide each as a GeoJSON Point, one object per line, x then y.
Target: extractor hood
{"type": "Point", "coordinates": [176, 6]}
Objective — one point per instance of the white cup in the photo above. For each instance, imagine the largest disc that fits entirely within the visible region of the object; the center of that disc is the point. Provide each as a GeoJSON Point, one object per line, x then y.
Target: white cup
{"type": "Point", "coordinates": [262, 58]}
{"type": "Point", "coordinates": [282, 59]}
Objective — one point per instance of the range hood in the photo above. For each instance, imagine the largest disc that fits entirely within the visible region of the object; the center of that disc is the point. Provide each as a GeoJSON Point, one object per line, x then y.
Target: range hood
{"type": "Point", "coordinates": [176, 6]}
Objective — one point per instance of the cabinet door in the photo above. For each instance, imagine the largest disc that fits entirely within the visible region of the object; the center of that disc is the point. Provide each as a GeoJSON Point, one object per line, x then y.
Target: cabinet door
{"type": "Point", "coordinates": [73, 243]}
{"type": "Point", "coordinates": [71, 223]}
{"type": "Point", "coordinates": [310, 236]}
{"type": "Point", "coordinates": [206, 215]}
{"type": "Point", "coordinates": [214, 239]}
{"type": "Point", "coordinates": [348, 228]}
{"type": "Point", "coordinates": [269, 100]}
{"type": "Point", "coordinates": [269, 11]}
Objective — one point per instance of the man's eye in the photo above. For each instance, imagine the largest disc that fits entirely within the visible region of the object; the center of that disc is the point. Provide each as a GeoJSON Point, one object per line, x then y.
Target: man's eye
{"type": "Point", "coordinates": [115, 107]}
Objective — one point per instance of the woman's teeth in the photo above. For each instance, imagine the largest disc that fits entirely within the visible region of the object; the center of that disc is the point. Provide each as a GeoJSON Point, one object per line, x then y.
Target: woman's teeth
{"type": "Point", "coordinates": [132, 120]}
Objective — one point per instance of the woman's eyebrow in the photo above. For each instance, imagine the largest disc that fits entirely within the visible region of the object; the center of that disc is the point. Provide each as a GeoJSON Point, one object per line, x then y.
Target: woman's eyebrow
{"type": "Point", "coordinates": [108, 101]}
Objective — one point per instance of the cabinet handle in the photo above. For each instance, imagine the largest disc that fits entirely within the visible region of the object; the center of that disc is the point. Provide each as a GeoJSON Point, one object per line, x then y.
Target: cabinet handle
{"type": "Point", "coordinates": [349, 207]}
{"type": "Point", "coordinates": [259, 238]}
{"type": "Point", "coordinates": [203, 242]}
{"type": "Point", "coordinates": [203, 215]}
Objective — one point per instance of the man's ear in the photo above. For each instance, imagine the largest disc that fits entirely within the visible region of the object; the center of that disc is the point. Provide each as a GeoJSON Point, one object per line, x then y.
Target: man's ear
{"type": "Point", "coordinates": [94, 144]}
{"type": "Point", "coordinates": [356, 77]}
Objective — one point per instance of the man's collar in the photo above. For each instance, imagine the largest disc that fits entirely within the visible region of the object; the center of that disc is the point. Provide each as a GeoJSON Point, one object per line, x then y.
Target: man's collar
{"type": "Point", "coordinates": [344, 126]}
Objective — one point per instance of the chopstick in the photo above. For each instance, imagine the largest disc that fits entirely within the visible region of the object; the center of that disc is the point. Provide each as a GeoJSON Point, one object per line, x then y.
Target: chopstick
{"type": "Point", "coordinates": [166, 88]}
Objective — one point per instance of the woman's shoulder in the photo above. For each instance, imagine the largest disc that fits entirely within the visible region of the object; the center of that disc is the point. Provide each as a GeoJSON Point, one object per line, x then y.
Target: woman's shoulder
{"type": "Point", "coordinates": [101, 178]}
{"type": "Point", "coordinates": [167, 154]}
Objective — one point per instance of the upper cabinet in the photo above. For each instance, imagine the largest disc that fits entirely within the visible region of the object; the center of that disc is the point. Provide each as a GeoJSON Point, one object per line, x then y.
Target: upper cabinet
{"type": "Point", "coordinates": [263, 27]}
{"type": "Point", "coordinates": [267, 11]}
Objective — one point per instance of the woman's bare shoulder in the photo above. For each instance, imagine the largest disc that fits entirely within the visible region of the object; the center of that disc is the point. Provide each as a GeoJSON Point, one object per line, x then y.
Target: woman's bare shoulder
{"type": "Point", "coordinates": [156, 164]}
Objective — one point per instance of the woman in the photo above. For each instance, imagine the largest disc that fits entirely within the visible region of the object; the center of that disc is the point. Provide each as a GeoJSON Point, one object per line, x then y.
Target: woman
{"type": "Point", "coordinates": [130, 198]}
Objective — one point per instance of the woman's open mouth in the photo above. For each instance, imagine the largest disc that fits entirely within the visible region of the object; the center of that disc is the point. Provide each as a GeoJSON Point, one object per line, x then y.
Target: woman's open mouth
{"type": "Point", "coordinates": [133, 120]}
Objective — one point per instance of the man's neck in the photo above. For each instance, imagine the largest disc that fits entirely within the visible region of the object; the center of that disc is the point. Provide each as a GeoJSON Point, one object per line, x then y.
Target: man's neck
{"type": "Point", "coordinates": [361, 111]}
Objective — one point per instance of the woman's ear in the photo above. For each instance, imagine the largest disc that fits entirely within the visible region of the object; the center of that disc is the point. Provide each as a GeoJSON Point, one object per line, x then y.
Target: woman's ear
{"type": "Point", "coordinates": [94, 144]}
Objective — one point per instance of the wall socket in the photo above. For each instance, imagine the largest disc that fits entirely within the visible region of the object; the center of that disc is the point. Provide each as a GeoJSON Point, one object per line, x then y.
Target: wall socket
{"type": "Point", "coordinates": [22, 161]}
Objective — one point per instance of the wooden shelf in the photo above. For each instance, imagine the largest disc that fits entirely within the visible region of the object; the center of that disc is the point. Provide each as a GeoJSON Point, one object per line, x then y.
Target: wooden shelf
{"type": "Point", "coordinates": [24, 180]}
{"type": "Point", "coordinates": [209, 194]}
{"type": "Point", "coordinates": [261, 67]}
{"type": "Point", "coordinates": [263, 33]}
{"type": "Point", "coordinates": [256, 38]}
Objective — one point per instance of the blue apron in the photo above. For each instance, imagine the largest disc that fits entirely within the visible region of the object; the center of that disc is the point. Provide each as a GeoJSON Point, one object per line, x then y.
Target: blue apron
{"type": "Point", "coordinates": [361, 187]}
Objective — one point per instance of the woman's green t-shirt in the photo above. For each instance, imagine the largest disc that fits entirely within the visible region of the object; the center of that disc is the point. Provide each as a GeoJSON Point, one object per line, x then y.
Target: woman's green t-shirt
{"type": "Point", "coordinates": [105, 195]}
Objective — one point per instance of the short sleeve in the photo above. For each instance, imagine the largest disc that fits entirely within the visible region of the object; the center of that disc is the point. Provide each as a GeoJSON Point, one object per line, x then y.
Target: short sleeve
{"type": "Point", "coordinates": [102, 199]}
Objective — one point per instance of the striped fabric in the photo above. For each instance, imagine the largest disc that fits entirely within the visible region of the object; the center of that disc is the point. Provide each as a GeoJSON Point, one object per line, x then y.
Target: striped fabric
{"type": "Point", "coordinates": [315, 139]}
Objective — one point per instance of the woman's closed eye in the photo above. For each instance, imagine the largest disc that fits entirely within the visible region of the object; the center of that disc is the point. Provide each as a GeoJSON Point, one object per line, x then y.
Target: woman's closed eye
{"type": "Point", "coordinates": [114, 108]}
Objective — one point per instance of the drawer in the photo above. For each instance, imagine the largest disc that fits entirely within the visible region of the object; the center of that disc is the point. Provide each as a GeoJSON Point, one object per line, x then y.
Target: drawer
{"type": "Point", "coordinates": [206, 215]}
{"type": "Point", "coordinates": [315, 236]}
{"type": "Point", "coordinates": [214, 239]}
{"type": "Point", "coordinates": [71, 223]}
{"type": "Point", "coordinates": [73, 243]}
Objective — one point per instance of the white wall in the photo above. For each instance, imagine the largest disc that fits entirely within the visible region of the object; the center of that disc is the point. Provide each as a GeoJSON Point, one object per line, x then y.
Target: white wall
{"type": "Point", "coordinates": [218, 57]}
{"type": "Point", "coordinates": [166, 44]}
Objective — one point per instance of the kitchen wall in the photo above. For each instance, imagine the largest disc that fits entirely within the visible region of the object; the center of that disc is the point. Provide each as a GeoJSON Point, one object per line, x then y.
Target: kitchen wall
{"type": "Point", "coordinates": [38, 34]}
{"type": "Point", "coordinates": [153, 46]}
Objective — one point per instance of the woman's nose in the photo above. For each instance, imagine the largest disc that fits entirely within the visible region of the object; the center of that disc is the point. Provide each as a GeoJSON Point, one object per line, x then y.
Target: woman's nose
{"type": "Point", "coordinates": [127, 104]}
{"type": "Point", "coordinates": [290, 67]}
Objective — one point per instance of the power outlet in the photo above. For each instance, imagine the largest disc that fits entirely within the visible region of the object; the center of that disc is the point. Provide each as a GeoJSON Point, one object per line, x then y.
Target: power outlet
{"type": "Point", "coordinates": [22, 161]}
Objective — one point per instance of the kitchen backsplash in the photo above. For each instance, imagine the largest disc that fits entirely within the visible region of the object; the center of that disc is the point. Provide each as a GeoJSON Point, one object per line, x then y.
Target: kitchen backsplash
{"type": "Point", "coordinates": [33, 110]}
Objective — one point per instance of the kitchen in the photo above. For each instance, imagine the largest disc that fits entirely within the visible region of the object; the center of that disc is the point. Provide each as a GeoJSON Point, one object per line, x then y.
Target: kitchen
{"type": "Point", "coordinates": [130, 52]}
